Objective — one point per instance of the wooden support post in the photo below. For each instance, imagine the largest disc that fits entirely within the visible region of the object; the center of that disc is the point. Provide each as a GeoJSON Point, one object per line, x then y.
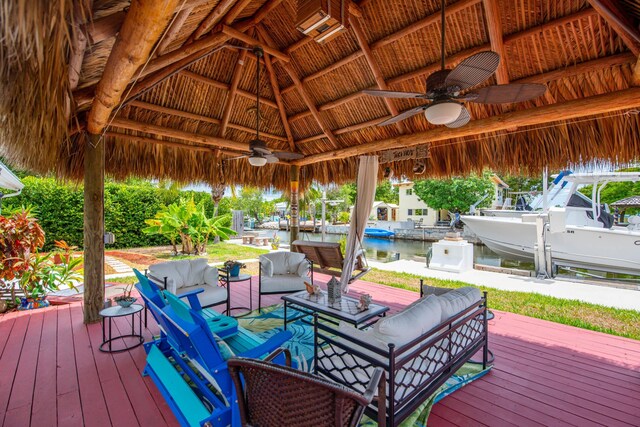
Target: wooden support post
{"type": "Point", "coordinates": [294, 223]}
{"type": "Point", "coordinates": [93, 228]}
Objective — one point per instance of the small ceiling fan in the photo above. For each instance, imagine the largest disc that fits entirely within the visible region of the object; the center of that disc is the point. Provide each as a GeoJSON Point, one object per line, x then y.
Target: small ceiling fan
{"type": "Point", "coordinates": [444, 87]}
{"type": "Point", "coordinates": [259, 154]}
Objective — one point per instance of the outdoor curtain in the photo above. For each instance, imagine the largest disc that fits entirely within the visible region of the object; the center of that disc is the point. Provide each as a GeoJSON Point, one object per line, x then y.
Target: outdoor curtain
{"type": "Point", "coordinates": [367, 178]}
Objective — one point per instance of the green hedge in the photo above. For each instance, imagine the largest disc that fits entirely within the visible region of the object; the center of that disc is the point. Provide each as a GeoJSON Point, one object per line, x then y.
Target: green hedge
{"type": "Point", "coordinates": [59, 207]}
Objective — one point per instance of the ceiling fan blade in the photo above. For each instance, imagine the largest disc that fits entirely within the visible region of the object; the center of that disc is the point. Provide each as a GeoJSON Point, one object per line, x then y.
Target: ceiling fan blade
{"type": "Point", "coordinates": [259, 146]}
{"type": "Point", "coordinates": [469, 96]}
{"type": "Point", "coordinates": [392, 94]}
{"type": "Point", "coordinates": [504, 94]}
{"type": "Point", "coordinates": [271, 158]}
{"type": "Point", "coordinates": [237, 158]}
{"type": "Point", "coordinates": [404, 115]}
{"type": "Point", "coordinates": [473, 70]}
{"type": "Point", "coordinates": [287, 155]}
{"type": "Point", "coordinates": [462, 119]}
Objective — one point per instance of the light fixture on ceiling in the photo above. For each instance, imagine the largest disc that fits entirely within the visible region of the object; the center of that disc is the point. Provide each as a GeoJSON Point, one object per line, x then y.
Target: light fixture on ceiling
{"type": "Point", "coordinates": [442, 113]}
{"type": "Point", "coordinates": [257, 159]}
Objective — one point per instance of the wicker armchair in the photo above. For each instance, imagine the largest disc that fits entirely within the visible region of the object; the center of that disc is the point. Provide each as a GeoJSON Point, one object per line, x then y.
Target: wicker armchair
{"type": "Point", "coordinates": [275, 396]}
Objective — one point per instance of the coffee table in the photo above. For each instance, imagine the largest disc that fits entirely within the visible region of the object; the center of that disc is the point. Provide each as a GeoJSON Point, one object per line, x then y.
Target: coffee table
{"type": "Point", "coordinates": [346, 309]}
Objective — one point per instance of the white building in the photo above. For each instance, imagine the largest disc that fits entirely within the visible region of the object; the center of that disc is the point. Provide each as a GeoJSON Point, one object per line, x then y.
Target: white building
{"type": "Point", "coordinates": [412, 208]}
{"type": "Point", "coordinates": [381, 211]}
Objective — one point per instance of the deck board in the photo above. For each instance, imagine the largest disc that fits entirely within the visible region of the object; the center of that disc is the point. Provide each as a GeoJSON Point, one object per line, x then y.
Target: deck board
{"type": "Point", "coordinates": [51, 372]}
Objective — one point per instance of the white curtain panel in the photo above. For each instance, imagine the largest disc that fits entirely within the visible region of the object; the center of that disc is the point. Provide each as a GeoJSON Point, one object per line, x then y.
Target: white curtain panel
{"type": "Point", "coordinates": [367, 179]}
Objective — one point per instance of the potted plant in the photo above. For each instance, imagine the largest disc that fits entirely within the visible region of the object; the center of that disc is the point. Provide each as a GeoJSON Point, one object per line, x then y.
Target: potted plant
{"type": "Point", "coordinates": [125, 300]}
{"type": "Point", "coordinates": [275, 243]}
{"type": "Point", "coordinates": [233, 267]}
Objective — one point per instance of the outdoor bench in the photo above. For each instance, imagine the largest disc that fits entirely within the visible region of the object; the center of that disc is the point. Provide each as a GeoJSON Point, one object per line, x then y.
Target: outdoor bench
{"type": "Point", "coordinates": [419, 349]}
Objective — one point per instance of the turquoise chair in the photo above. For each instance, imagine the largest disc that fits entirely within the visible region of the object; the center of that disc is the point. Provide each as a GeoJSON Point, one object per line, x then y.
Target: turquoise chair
{"type": "Point", "coordinates": [188, 362]}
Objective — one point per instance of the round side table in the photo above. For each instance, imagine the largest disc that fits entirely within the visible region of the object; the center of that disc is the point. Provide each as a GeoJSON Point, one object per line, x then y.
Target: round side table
{"type": "Point", "coordinates": [108, 314]}
{"type": "Point", "coordinates": [227, 280]}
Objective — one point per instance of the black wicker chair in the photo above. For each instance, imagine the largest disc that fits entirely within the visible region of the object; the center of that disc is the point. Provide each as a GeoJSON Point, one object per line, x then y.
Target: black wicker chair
{"type": "Point", "coordinates": [275, 396]}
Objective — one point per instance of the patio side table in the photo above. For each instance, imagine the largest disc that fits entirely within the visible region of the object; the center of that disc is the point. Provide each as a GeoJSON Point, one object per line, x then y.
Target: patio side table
{"type": "Point", "coordinates": [227, 280]}
{"type": "Point", "coordinates": [108, 314]}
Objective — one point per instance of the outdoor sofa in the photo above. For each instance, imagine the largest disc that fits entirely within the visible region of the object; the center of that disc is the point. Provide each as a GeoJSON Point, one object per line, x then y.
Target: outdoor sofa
{"type": "Point", "coordinates": [418, 348]}
{"type": "Point", "coordinates": [283, 273]}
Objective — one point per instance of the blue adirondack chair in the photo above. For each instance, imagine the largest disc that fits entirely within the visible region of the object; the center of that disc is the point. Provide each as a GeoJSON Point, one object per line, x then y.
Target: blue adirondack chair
{"type": "Point", "coordinates": [188, 347]}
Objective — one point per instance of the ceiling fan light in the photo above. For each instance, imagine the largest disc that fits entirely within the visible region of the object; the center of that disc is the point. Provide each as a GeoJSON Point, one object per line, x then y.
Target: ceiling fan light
{"type": "Point", "coordinates": [442, 113]}
{"type": "Point", "coordinates": [257, 160]}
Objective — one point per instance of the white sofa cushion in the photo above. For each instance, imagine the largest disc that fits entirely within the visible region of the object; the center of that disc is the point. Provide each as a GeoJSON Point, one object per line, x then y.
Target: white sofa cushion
{"type": "Point", "coordinates": [282, 283]}
{"type": "Point", "coordinates": [210, 294]}
{"type": "Point", "coordinates": [197, 267]}
{"type": "Point", "coordinates": [457, 300]}
{"type": "Point", "coordinates": [284, 262]}
{"type": "Point", "coordinates": [412, 322]}
{"type": "Point", "coordinates": [266, 266]}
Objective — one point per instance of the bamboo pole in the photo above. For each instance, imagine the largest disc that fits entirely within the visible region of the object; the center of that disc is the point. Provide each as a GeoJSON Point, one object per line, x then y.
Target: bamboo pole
{"type": "Point", "coordinates": [578, 108]}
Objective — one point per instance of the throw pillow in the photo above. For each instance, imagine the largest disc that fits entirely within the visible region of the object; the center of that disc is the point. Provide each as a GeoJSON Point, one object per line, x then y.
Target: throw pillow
{"type": "Point", "coordinates": [414, 321]}
{"type": "Point", "coordinates": [457, 300]}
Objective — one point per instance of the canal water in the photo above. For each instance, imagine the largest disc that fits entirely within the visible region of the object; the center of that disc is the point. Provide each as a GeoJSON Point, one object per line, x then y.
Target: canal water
{"type": "Point", "coordinates": [386, 250]}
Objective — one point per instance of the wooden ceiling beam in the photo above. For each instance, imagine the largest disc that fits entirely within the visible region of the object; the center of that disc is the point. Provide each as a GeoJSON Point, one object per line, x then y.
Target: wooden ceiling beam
{"type": "Point", "coordinates": [619, 21]}
{"type": "Point", "coordinates": [450, 60]}
{"type": "Point", "coordinates": [569, 110]}
{"type": "Point", "coordinates": [174, 29]}
{"type": "Point", "coordinates": [211, 20]}
{"type": "Point", "coordinates": [106, 27]}
{"type": "Point", "coordinates": [208, 140]}
{"type": "Point", "coordinates": [281, 110]}
{"type": "Point", "coordinates": [375, 68]}
{"type": "Point", "coordinates": [569, 71]}
{"type": "Point", "coordinates": [141, 30]}
{"type": "Point", "coordinates": [78, 44]}
{"type": "Point", "coordinates": [201, 118]}
{"type": "Point", "coordinates": [239, 35]}
{"type": "Point", "coordinates": [494, 29]}
{"type": "Point", "coordinates": [171, 144]}
{"type": "Point", "coordinates": [303, 92]}
{"type": "Point", "coordinates": [233, 88]}
{"type": "Point", "coordinates": [221, 85]}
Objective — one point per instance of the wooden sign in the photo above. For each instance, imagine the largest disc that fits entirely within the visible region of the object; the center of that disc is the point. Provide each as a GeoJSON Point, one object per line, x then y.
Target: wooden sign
{"type": "Point", "coordinates": [419, 152]}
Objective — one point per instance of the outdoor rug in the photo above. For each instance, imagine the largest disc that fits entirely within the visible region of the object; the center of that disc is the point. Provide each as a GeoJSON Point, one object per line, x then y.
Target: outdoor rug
{"type": "Point", "coordinates": [271, 321]}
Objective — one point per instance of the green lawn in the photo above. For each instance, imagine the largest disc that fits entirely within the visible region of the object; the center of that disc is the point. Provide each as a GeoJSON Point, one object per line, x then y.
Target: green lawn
{"type": "Point", "coordinates": [625, 323]}
{"type": "Point", "coordinates": [220, 252]}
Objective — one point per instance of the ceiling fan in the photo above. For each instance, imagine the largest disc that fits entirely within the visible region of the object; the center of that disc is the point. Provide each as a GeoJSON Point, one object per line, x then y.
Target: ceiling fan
{"type": "Point", "coordinates": [259, 154]}
{"type": "Point", "coordinates": [444, 89]}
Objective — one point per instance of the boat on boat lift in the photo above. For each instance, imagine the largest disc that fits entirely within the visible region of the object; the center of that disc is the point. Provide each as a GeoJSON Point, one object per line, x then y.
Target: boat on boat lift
{"type": "Point", "coordinates": [378, 232]}
{"type": "Point", "coordinates": [582, 234]}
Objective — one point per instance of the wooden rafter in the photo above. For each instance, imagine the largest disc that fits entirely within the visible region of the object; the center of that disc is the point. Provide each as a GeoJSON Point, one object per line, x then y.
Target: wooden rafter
{"type": "Point", "coordinates": [211, 20]}
{"type": "Point", "coordinates": [574, 109]}
{"type": "Point", "coordinates": [303, 92]}
{"type": "Point", "coordinates": [391, 38]}
{"type": "Point", "coordinates": [174, 29]}
{"type": "Point", "coordinates": [281, 110]}
{"type": "Point", "coordinates": [512, 38]}
{"type": "Point", "coordinates": [172, 144]}
{"type": "Point", "coordinates": [239, 35]}
{"type": "Point", "coordinates": [78, 44]}
{"type": "Point", "coordinates": [233, 88]}
{"type": "Point", "coordinates": [140, 32]}
{"type": "Point", "coordinates": [106, 27]}
{"type": "Point", "coordinates": [494, 29]}
{"type": "Point", "coordinates": [620, 23]}
{"type": "Point", "coordinates": [374, 67]}
{"type": "Point", "coordinates": [564, 72]}
{"type": "Point", "coordinates": [212, 141]}
{"type": "Point", "coordinates": [201, 118]}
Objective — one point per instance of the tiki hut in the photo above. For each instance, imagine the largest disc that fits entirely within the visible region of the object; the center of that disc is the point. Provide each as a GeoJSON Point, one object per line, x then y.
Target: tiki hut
{"type": "Point", "coordinates": [167, 89]}
{"type": "Point", "coordinates": [622, 205]}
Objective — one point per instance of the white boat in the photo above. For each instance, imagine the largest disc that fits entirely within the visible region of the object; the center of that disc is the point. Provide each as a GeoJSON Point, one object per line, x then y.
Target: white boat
{"type": "Point", "coordinates": [580, 234]}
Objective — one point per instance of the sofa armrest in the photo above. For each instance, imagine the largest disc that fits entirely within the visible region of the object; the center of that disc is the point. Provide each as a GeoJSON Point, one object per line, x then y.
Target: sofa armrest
{"type": "Point", "coordinates": [266, 266]}
{"type": "Point", "coordinates": [210, 276]}
{"type": "Point", "coordinates": [166, 283]}
{"type": "Point", "coordinates": [192, 297]}
{"type": "Point", "coordinates": [303, 268]}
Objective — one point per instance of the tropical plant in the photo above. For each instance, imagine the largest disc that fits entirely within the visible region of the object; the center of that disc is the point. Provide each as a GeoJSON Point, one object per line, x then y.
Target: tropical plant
{"type": "Point", "coordinates": [454, 194]}
{"type": "Point", "coordinates": [189, 222]}
{"type": "Point", "coordinates": [344, 217]}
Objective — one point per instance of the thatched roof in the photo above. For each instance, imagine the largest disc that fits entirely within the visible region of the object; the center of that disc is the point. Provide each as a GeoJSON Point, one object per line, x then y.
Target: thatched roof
{"type": "Point", "coordinates": [629, 202]}
{"type": "Point", "coordinates": [312, 102]}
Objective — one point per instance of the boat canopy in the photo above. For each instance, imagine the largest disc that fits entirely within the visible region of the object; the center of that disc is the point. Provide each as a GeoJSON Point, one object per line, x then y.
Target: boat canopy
{"type": "Point", "coordinates": [599, 177]}
{"type": "Point", "coordinates": [9, 181]}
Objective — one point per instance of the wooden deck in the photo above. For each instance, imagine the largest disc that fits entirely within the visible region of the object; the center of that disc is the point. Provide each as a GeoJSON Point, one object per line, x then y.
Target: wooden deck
{"type": "Point", "coordinates": [51, 373]}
